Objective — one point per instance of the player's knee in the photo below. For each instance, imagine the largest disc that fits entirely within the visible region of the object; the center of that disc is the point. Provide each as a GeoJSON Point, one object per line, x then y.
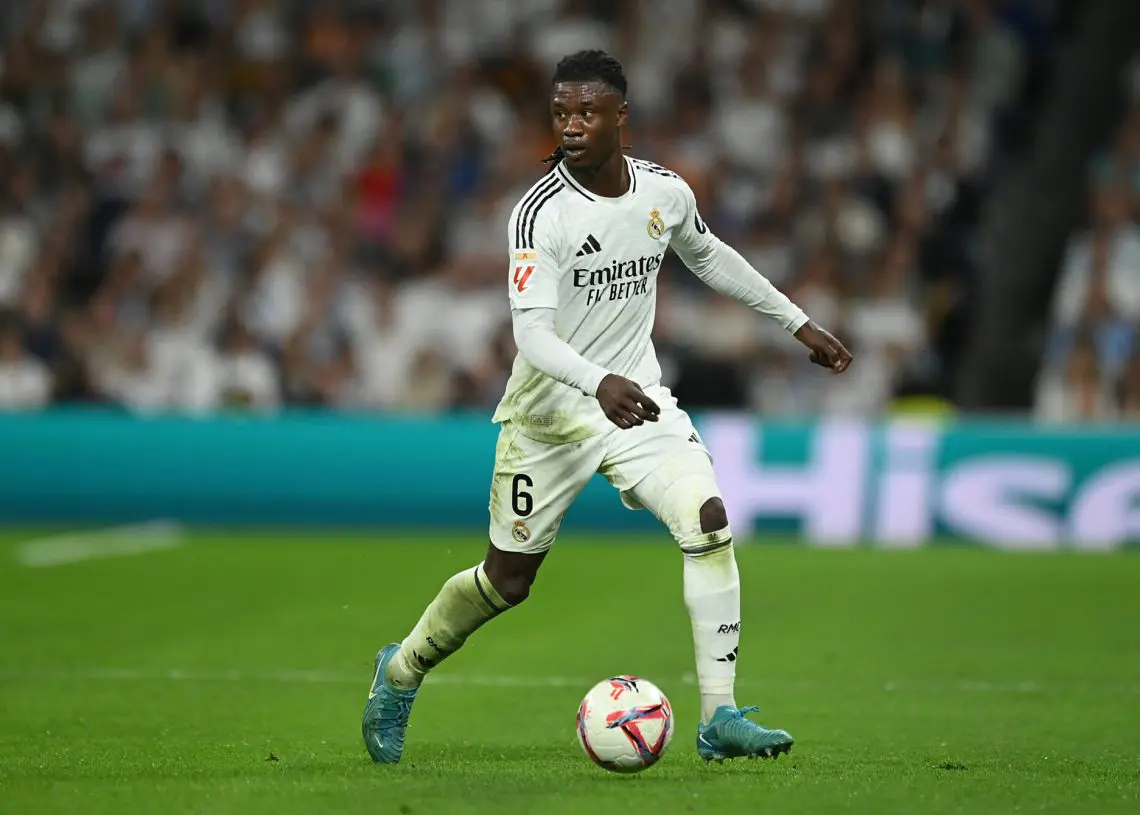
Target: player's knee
{"type": "Point", "coordinates": [513, 588]}
{"type": "Point", "coordinates": [511, 574]}
{"type": "Point", "coordinates": [713, 516]}
{"type": "Point", "coordinates": [684, 495]}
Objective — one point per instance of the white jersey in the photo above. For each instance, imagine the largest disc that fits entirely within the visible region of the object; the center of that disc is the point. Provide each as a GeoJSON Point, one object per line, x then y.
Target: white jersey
{"type": "Point", "coordinates": [596, 261]}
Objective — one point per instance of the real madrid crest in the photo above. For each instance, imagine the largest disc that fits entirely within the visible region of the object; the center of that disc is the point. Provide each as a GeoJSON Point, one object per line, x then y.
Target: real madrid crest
{"type": "Point", "coordinates": [521, 532]}
{"type": "Point", "coordinates": [656, 225]}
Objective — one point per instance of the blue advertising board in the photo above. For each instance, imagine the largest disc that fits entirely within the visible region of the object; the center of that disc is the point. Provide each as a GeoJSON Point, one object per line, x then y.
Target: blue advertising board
{"type": "Point", "coordinates": [896, 484]}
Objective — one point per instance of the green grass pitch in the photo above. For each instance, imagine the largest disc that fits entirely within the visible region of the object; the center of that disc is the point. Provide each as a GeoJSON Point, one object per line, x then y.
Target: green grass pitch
{"type": "Point", "coordinates": [936, 681]}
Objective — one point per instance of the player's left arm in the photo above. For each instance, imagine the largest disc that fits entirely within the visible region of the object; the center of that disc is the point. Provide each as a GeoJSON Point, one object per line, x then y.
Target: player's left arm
{"type": "Point", "coordinates": [724, 270]}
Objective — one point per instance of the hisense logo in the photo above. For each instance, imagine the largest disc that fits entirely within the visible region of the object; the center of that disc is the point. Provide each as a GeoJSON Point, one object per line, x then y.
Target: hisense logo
{"type": "Point", "coordinates": [903, 484]}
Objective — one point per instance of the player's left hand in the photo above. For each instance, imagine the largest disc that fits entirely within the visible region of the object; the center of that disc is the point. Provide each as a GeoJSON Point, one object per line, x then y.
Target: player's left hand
{"type": "Point", "coordinates": [826, 350]}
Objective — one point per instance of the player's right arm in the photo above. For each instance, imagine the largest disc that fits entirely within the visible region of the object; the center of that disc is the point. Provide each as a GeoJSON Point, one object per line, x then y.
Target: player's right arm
{"type": "Point", "coordinates": [535, 269]}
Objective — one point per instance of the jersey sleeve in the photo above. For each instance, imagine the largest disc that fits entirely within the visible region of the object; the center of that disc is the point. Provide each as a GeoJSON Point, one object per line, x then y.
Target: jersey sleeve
{"type": "Point", "coordinates": [723, 269]}
{"type": "Point", "coordinates": [537, 340]}
{"type": "Point", "coordinates": [691, 238]}
{"type": "Point", "coordinates": [535, 259]}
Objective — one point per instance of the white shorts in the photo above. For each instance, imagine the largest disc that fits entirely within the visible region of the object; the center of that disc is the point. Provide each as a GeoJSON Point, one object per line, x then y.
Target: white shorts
{"type": "Point", "coordinates": [534, 483]}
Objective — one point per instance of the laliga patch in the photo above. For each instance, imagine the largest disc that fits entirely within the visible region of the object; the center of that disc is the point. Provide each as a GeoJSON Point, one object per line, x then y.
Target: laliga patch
{"type": "Point", "coordinates": [522, 276]}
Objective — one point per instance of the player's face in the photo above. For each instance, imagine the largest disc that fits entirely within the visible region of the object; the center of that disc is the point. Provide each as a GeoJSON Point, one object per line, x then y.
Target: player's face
{"type": "Point", "coordinates": [587, 117]}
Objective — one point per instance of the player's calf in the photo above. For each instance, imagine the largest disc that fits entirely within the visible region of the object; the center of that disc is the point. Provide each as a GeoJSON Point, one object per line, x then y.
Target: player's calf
{"type": "Point", "coordinates": [683, 494]}
{"type": "Point", "coordinates": [466, 602]}
{"type": "Point", "coordinates": [712, 592]}
{"type": "Point", "coordinates": [712, 595]}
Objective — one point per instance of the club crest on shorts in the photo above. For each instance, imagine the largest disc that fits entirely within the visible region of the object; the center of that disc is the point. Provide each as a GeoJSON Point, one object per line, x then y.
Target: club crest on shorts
{"type": "Point", "coordinates": [520, 532]}
{"type": "Point", "coordinates": [656, 226]}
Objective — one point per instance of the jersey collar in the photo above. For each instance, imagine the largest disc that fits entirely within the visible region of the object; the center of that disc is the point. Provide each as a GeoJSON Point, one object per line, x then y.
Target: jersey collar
{"type": "Point", "coordinates": [574, 185]}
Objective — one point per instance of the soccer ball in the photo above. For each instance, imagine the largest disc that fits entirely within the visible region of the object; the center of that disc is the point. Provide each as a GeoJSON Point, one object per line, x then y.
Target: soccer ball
{"type": "Point", "coordinates": [625, 724]}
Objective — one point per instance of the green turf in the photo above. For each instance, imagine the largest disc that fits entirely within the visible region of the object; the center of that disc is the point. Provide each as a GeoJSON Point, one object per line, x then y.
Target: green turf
{"type": "Point", "coordinates": [937, 681]}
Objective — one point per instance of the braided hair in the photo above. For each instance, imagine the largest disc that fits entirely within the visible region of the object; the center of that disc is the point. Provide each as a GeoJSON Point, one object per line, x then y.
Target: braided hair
{"type": "Point", "coordinates": [587, 66]}
{"type": "Point", "coordinates": [554, 158]}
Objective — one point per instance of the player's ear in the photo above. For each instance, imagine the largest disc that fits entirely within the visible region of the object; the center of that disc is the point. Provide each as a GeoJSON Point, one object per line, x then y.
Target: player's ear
{"type": "Point", "coordinates": [622, 114]}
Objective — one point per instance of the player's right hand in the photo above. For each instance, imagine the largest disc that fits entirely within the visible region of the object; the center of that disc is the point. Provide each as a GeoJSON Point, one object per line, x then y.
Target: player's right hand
{"type": "Point", "coordinates": [624, 403]}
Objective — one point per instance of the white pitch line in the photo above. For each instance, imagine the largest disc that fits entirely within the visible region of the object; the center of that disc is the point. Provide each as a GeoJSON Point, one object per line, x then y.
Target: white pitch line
{"type": "Point", "coordinates": [120, 541]}
{"type": "Point", "coordinates": [322, 677]}
{"type": "Point", "coordinates": [286, 677]}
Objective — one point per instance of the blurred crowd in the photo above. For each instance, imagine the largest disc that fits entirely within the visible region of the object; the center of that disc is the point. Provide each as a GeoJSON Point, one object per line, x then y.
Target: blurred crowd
{"type": "Point", "coordinates": [258, 203]}
{"type": "Point", "coordinates": [1091, 370]}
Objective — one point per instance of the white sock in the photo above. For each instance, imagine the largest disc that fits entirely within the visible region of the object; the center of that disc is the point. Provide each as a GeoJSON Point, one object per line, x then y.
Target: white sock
{"type": "Point", "coordinates": [712, 594]}
{"type": "Point", "coordinates": [465, 602]}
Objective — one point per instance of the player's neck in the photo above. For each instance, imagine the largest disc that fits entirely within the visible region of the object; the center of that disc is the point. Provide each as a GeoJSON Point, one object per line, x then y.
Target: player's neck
{"type": "Point", "coordinates": [611, 180]}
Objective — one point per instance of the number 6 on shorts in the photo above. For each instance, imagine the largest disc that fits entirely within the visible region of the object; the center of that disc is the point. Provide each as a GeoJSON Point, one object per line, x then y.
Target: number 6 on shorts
{"type": "Point", "coordinates": [521, 501]}
{"type": "Point", "coordinates": [533, 485]}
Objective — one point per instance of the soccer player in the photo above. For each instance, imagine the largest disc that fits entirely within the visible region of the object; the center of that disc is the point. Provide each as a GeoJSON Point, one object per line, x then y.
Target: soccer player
{"type": "Point", "coordinates": [586, 244]}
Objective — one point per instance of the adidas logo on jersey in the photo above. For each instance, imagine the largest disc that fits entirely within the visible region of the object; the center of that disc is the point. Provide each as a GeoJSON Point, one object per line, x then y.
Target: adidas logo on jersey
{"type": "Point", "coordinates": [589, 247]}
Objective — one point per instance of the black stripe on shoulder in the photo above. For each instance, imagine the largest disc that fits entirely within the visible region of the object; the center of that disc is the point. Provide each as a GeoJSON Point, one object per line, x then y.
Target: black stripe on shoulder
{"type": "Point", "coordinates": [534, 214]}
{"type": "Point", "coordinates": [660, 173]}
{"type": "Point", "coordinates": [656, 169]}
{"type": "Point", "coordinates": [632, 177]}
{"type": "Point", "coordinates": [528, 202]}
{"type": "Point", "coordinates": [649, 165]}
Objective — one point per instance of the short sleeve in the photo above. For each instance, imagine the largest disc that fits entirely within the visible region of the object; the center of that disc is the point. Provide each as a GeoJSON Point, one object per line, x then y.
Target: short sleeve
{"type": "Point", "coordinates": [535, 263]}
{"type": "Point", "coordinates": [691, 238]}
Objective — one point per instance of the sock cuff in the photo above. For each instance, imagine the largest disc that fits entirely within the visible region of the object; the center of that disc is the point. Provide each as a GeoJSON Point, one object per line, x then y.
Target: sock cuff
{"type": "Point", "coordinates": [707, 543]}
{"type": "Point", "coordinates": [488, 592]}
